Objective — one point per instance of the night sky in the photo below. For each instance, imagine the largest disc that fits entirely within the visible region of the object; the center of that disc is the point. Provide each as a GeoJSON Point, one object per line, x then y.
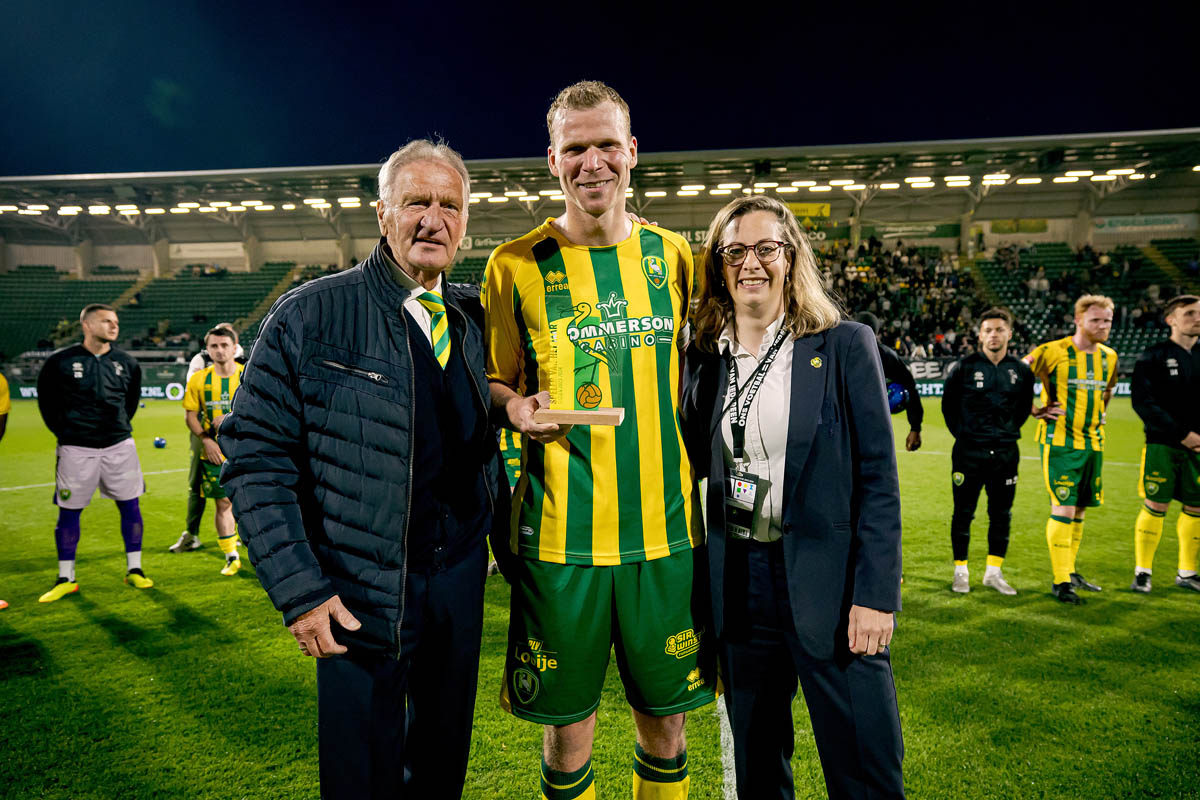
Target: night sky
{"type": "Point", "coordinates": [132, 86]}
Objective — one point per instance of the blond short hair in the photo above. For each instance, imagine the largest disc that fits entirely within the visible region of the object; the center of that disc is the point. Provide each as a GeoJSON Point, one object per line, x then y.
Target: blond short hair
{"type": "Point", "coordinates": [584, 95]}
{"type": "Point", "coordinates": [1089, 300]}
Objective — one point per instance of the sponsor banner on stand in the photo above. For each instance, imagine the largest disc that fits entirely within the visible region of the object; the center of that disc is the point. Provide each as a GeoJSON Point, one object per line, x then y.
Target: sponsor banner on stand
{"type": "Point", "coordinates": [1147, 222]}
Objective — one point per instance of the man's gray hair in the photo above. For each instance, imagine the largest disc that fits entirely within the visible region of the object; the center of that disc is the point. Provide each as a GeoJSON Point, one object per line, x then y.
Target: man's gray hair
{"type": "Point", "coordinates": [422, 150]}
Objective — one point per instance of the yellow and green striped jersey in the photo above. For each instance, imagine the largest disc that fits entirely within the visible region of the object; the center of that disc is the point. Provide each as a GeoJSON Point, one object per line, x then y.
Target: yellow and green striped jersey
{"type": "Point", "coordinates": [605, 322]}
{"type": "Point", "coordinates": [1077, 381]}
{"type": "Point", "coordinates": [510, 452]}
{"type": "Point", "coordinates": [210, 394]}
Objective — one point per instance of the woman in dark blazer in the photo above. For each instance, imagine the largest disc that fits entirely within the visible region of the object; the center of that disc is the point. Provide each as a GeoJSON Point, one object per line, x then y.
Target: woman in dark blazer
{"type": "Point", "coordinates": [803, 508]}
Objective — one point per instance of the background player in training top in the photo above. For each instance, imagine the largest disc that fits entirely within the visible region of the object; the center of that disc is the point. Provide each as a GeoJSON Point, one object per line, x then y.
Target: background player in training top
{"type": "Point", "coordinates": [1078, 373]}
{"type": "Point", "coordinates": [88, 394]}
{"type": "Point", "coordinates": [986, 399]}
{"type": "Point", "coordinates": [1166, 395]}
{"type": "Point", "coordinates": [207, 400]}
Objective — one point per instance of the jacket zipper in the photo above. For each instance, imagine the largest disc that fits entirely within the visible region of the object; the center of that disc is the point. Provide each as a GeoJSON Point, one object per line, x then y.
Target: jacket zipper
{"type": "Point", "coordinates": [376, 377]}
{"type": "Point", "coordinates": [412, 451]}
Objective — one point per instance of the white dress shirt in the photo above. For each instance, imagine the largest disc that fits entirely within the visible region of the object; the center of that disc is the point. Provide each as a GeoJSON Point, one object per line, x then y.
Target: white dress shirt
{"type": "Point", "coordinates": [765, 452]}
{"type": "Point", "coordinates": [417, 311]}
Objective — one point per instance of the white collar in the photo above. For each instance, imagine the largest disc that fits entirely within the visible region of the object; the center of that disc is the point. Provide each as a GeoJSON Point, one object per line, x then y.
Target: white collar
{"type": "Point", "coordinates": [726, 342]}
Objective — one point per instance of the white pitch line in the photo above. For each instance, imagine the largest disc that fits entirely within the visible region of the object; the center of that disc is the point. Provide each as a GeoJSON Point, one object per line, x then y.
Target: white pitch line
{"type": "Point", "coordinates": [1031, 458]}
{"type": "Point", "coordinates": [44, 485]}
{"type": "Point", "coordinates": [727, 751]}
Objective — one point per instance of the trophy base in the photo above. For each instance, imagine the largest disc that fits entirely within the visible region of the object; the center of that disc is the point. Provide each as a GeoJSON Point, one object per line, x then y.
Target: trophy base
{"type": "Point", "coordinates": [577, 416]}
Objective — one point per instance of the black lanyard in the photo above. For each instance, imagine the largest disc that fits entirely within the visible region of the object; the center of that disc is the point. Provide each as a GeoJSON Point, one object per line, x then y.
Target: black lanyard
{"type": "Point", "coordinates": [737, 420]}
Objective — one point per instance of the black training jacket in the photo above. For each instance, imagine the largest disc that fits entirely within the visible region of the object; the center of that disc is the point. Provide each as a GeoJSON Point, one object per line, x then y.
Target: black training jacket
{"type": "Point", "coordinates": [986, 404]}
{"type": "Point", "coordinates": [1166, 392]}
{"type": "Point", "coordinates": [319, 444]}
{"type": "Point", "coordinates": [89, 400]}
{"type": "Point", "coordinates": [895, 371]}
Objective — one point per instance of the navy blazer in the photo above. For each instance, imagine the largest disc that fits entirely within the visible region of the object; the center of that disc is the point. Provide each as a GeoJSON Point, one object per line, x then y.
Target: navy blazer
{"type": "Point", "coordinates": [841, 494]}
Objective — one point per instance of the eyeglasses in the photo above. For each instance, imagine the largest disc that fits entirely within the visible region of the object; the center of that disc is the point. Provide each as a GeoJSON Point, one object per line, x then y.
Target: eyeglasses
{"type": "Point", "coordinates": [765, 251]}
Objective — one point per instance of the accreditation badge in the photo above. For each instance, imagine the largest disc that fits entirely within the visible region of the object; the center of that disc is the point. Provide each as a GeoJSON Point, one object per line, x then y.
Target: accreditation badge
{"type": "Point", "coordinates": [741, 496]}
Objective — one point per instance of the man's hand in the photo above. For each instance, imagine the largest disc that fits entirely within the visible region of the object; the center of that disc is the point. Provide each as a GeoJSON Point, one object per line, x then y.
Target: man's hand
{"type": "Point", "coordinates": [313, 632]}
{"type": "Point", "coordinates": [639, 220]}
{"type": "Point", "coordinates": [520, 415]}
{"type": "Point", "coordinates": [869, 630]}
{"type": "Point", "coordinates": [212, 451]}
{"type": "Point", "coordinates": [913, 442]}
{"type": "Point", "coordinates": [1192, 441]}
{"type": "Point", "coordinates": [1048, 411]}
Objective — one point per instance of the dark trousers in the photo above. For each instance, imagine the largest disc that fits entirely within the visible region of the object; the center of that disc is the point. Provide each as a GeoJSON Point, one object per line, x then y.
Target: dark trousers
{"type": "Point", "coordinates": [401, 728]}
{"type": "Point", "coordinates": [851, 700]}
{"type": "Point", "coordinates": [974, 468]}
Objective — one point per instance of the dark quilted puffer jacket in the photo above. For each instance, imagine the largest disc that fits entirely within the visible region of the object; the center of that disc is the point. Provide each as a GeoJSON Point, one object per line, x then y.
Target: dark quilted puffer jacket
{"type": "Point", "coordinates": [319, 445]}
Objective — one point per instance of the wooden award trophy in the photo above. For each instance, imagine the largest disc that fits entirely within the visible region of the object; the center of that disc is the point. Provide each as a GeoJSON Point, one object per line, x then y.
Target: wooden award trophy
{"type": "Point", "coordinates": [573, 368]}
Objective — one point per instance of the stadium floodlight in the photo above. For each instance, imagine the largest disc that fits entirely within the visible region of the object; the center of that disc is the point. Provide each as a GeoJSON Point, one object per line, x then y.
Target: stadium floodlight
{"type": "Point", "coordinates": [475, 200]}
{"type": "Point", "coordinates": [889, 186]}
{"type": "Point", "coordinates": [918, 179]}
{"type": "Point", "coordinates": [958, 184]}
{"type": "Point", "coordinates": [129, 212]}
{"type": "Point", "coordinates": [349, 200]}
{"type": "Point", "coordinates": [529, 198]}
{"type": "Point", "coordinates": [68, 211]}
{"type": "Point", "coordinates": [1137, 176]}
{"type": "Point", "coordinates": [8, 208]}
{"type": "Point", "coordinates": [1196, 168]}
{"type": "Point", "coordinates": [37, 207]}
{"type": "Point", "coordinates": [729, 186]}
{"type": "Point", "coordinates": [224, 203]}
{"type": "Point", "coordinates": [321, 204]}
{"type": "Point", "coordinates": [1066, 179]}
{"type": "Point", "coordinates": [997, 176]}
{"type": "Point", "coordinates": [309, 201]}
{"type": "Point", "coordinates": [264, 207]}
{"type": "Point", "coordinates": [98, 210]}
{"type": "Point", "coordinates": [765, 184]}
{"type": "Point", "coordinates": [787, 189]}
{"type": "Point", "coordinates": [693, 187]}
{"type": "Point", "coordinates": [1079, 173]}
{"type": "Point", "coordinates": [188, 205]}
{"type": "Point", "coordinates": [559, 196]}
{"type": "Point", "coordinates": [629, 191]}
{"type": "Point", "coordinates": [292, 206]}
{"type": "Point", "coordinates": [497, 199]}
{"type": "Point", "coordinates": [207, 209]}
{"type": "Point", "coordinates": [373, 204]}
{"type": "Point", "coordinates": [252, 203]}
{"type": "Point", "coordinates": [30, 212]}
{"type": "Point", "coordinates": [1028, 181]}
{"type": "Point", "coordinates": [840, 182]}
{"type": "Point", "coordinates": [548, 192]}
{"type": "Point", "coordinates": [156, 211]}
{"type": "Point", "coordinates": [243, 208]}
{"type": "Point", "coordinates": [1120, 172]}
{"type": "Point", "coordinates": [656, 193]}
{"type": "Point", "coordinates": [687, 193]}
{"type": "Point", "coordinates": [1104, 177]}
{"type": "Point", "coordinates": [178, 210]}
{"type": "Point", "coordinates": [123, 206]}
{"type": "Point", "coordinates": [957, 178]}
{"type": "Point", "coordinates": [855, 187]}
{"type": "Point", "coordinates": [804, 183]}
{"type": "Point", "coordinates": [480, 195]}
{"type": "Point", "coordinates": [820, 188]}
{"type": "Point", "coordinates": [994, 182]}
{"type": "Point", "coordinates": [515, 193]}
{"type": "Point", "coordinates": [720, 191]}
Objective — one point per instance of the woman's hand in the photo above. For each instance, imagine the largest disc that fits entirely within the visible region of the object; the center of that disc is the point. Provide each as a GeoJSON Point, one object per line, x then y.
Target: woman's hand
{"type": "Point", "coordinates": [869, 631]}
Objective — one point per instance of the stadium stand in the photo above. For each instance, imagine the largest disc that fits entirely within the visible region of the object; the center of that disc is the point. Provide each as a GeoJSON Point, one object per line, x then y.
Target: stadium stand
{"type": "Point", "coordinates": [39, 300]}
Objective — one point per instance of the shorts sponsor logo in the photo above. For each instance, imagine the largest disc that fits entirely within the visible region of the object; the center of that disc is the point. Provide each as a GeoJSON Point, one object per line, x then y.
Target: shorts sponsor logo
{"type": "Point", "coordinates": [525, 530]}
{"type": "Point", "coordinates": [525, 685]}
{"type": "Point", "coordinates": [695, 680]}
{"type": "Point", "coordinates": [537, 656]}
{"type": "Point", "coordinates": [683, 644]}
{"type": "Point", "coordinates": [958, 478]}
{"type": "Point", "coordinates": [1011, 481]}
{"type": "Point", "coordinates": [64, 494]}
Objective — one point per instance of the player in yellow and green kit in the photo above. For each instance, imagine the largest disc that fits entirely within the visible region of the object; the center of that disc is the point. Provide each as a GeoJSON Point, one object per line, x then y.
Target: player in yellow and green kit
{"type": "Point", "coordinates": [605, 518]}
{"type": "Point", "coordinates": [1078, 373]}
{"type": "Point", "coordinates": [207, 400]}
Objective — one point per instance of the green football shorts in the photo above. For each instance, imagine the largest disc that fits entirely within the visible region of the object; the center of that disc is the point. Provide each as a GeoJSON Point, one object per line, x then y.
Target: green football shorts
{"type": "Point", "coordinates": [1073, 476]}
{"type": "Point", "coordinates": [1170, 473]}
{"type": "Point", "coordinates": [210, 481]}
{"type": "Point", "coordinates": [566, 619]}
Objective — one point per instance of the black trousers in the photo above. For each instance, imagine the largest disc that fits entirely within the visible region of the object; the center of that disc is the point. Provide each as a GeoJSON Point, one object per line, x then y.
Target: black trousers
{"type": "Point", "coordinates": [851, 700]}
{"type": "Point", "coordinates": [994, 469]}
{"type": "Point", "coordinates": [401, 728]}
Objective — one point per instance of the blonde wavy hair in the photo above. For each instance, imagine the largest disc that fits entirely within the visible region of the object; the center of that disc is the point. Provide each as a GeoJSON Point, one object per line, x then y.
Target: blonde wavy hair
{"type": "Point", "coordinates": [808, 308]}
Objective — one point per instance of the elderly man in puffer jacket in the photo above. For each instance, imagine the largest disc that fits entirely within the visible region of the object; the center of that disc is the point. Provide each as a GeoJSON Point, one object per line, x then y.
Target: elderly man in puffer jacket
{"type": "Point", "coordinates": [365, 477]}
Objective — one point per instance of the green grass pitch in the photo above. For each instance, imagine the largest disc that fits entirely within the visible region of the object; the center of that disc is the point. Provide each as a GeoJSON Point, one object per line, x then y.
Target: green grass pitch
{"type": "Point", "coordinates": [194, 688]}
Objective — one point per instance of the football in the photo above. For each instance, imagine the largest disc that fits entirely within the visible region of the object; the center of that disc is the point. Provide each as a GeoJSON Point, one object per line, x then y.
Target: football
{"type": "Point", "coordinates": [160, 442]}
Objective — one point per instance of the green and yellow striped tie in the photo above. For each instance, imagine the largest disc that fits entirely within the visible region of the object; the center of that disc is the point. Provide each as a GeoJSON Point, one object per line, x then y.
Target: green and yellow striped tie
{"type": "Point", "coordinates": [439, 326]}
